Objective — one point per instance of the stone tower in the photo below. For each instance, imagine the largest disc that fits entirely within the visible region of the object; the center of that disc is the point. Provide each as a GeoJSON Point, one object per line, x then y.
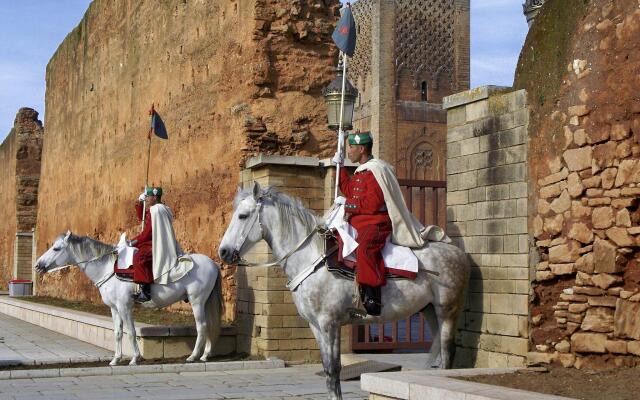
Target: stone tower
{"type": "Point", "coordinates": [409, 55]}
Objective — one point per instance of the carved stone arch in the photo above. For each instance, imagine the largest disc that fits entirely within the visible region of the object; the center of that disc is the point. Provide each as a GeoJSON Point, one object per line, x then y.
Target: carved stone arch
{"type": "Point", "coordinates": [422, 154]}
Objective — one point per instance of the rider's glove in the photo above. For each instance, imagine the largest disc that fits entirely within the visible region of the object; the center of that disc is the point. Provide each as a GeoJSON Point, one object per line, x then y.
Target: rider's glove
{"type": "Point", "coordinates": [132, 243]}
{"type": "Point", "coordinates": [142, 197]}
{"type": "Point", "coordinates": [338, 158]}
{"type": "Point", "coordinates": [340, 200]}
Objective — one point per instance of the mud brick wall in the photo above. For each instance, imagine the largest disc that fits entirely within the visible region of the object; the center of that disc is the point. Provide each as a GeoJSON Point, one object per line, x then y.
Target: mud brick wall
{"type": "Point", "coordinates": [487, 217]}
{"type": "Point", "coordinates": [20, 155]}
{"type": "Point", "coordinates": [230, 79]}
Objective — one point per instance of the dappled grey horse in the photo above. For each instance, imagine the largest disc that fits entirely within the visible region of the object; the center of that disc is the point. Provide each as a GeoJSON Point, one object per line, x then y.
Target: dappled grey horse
{"type": "Point", "coordinates": [325, 300]}
{"type": "Point", "coordinates": [201, 286]}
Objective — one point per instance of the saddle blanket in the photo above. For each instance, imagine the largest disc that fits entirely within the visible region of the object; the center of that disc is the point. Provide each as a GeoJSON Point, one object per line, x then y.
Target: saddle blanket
{"type": "Point", "coordinates": [399, 260]}
{"type": "Point", "coordinates": [124, 262]}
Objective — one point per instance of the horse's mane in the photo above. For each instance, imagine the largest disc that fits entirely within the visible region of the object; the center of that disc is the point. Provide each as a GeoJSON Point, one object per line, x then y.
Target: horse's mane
{"type": "Point", "coordinates": [289, 207]}
{"type": "Point", "coordinates": [85, 247]}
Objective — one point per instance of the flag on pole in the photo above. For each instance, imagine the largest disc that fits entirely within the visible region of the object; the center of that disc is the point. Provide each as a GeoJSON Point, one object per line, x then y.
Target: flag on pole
{"type": "Point", "coordinates": [344, 35]}
{"type": "Point", "coordinates": [157, 125]}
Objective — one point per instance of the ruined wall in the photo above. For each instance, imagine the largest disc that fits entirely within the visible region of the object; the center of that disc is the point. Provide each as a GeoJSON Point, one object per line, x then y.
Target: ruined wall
{"type": "Point", "coordinates": [19, 177]}
{"type": "Point", "coordinates": [487, 218]}
{"type": "Point", "coordinates": [579, 66]}
{"type": "Point", "coordinates": [230, 79]}
{"type": "Point", "coordinates": [8, 212]}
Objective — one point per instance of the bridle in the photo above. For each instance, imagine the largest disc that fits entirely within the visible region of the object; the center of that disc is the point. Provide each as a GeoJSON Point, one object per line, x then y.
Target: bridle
{"type": "Point", "coordinates": [255, 218]}
{"type": "Point", "coordinates": [100, 282]}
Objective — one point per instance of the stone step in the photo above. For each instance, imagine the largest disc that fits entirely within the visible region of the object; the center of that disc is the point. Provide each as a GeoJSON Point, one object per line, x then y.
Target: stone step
{"type": "Point", "coordinates": [154, 341]}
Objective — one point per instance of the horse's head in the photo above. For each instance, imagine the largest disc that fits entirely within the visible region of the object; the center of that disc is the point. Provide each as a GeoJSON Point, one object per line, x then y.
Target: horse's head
{"type": "Point", "coordinates": [245, 227]}
{"type": "Point", "coordinates": [57, 256]}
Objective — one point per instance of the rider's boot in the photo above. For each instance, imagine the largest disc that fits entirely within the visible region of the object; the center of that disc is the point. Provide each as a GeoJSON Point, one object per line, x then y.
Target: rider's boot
{"type": "Point", "coordinates": [372, 300]}
{"type": "Point", "coordinates": [145, 293]}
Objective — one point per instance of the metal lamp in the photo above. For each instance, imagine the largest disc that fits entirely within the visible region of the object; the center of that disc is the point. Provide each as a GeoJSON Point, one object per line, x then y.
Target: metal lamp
{"type": "Point", "coordinates": [332, 95]}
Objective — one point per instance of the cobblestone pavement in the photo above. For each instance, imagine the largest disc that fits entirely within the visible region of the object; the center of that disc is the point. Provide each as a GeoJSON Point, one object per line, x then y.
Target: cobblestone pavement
{"type": "Point", "coordinates": [299, 382]}
{"type": "Point", "coordinates": [22, 342]}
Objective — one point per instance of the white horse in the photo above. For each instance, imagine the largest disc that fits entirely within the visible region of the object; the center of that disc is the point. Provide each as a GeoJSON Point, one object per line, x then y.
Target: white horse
{"type": "Point", "coordinates": [201, 286]}
{"type": "Point", "coordinates": [324, 299]}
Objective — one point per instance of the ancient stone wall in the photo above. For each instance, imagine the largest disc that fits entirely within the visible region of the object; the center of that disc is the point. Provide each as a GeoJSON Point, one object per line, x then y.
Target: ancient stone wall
{"type": "Point", "coordinates": [19, 177]}
{"type": "Point", "coordinates": [230, 79]}
{"type": "Point", "coordinates": [585, 176]}
{"type": "Point", "coordinates": [8, 212]}
{"type": "Point", "coordinates": [487, 210]}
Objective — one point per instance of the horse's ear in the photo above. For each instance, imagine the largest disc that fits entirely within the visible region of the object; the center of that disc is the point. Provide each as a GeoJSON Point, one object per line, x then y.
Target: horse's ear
{"type": "Point", "coordinates": [67, 235]}
{"type": "Point", "coordinates": [256, 191]}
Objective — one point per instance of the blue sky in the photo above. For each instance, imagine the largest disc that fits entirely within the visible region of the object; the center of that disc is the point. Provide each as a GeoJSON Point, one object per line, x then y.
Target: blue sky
{"type": "Point", "coordinates": [31, 31]}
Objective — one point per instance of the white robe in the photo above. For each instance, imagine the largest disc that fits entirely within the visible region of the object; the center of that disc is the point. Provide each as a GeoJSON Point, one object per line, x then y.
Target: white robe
{"type": "Point", "coordinates": [169, 262]}
{"type": "Point", "coordinates": [407, 230]}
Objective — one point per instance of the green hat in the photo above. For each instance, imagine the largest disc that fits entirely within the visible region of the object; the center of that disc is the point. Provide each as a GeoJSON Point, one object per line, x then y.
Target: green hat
{"type": "Point", "coordinates": [154, 191]}
{"type": "Point", "coordinates": [360, 138]}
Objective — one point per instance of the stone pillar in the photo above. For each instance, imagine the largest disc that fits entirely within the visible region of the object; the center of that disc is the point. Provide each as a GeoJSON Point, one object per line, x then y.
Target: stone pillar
{"type": "Point", "coordinates": [487, 217]}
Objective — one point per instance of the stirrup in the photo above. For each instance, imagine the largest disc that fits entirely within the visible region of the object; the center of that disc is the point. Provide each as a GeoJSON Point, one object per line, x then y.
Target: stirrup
{"type": "Point", "coordinates": [357, 313]}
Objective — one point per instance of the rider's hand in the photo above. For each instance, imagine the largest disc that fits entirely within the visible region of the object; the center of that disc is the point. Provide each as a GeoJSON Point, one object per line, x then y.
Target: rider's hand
{"type": "Point", "coordinates": [142, 197]}
{"type": "Point", "coordinates": [132, 243]}
{"type": "Point", "coordinates": [338, 158]}
{"type": "Point", "coordinates": [340, 200]}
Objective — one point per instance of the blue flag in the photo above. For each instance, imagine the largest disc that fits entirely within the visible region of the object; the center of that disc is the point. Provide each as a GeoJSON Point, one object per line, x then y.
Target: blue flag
{"type": "Point", "coordinates": [157, 124]}
{"type": "Point", "coordinates": [344, 35]}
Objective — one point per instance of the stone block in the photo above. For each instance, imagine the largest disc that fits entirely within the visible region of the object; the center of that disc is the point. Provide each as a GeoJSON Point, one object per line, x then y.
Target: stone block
{"type": "Point", "coordinates": [581, 233]}
{"type": "Point", "coordinates": [477, 110]}
{"type": "Point", "coordinates": [502, 174]}
{"type": "Point", "coordinates": [588, 342]}
{"type": "Point", "coordinates": [567, 253]}
{"type": "Point", "coordinates": [626, 321]}
{"type": "Point", "coordinates": [620, 236]}
{"type": "Point", "coordinates": [459, 197]}
{"type": "Point", "coordinates": [468, 146]}
{"type": "Point", "coordinates": [604, 281]}
{"type": "Point", "coordinates": [604, 257]}
{"type": "Point", "coordinates": [578, 159]}
{"type": "Point", "coordinates": [598, 319]}
{"type": "Point", "coordinates": [516, 225]}
{"type": "Point", "coordinates": [502, 324]}
{"type": "Point", "coordinates": [632, 348]}
{"type": "Point", "coordinates": [562, 269]}
{"type": "Point", "coordinates": [602, 217]}
{"type": "Point", "coordinates": [466, 212]}
{"type": "Point", "coordinates": [498, 192]}
{"type": "Point", "coordinates": [518, 190]}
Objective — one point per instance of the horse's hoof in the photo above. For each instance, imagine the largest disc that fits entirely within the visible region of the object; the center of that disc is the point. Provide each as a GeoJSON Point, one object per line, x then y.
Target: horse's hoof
{"type": "Point", "coordinates": [114, 362]}
{"type": "Point", "coordinates": [204, 358]}
{"type": "Point", "coordinates": [191, 359]}
{"type": "Point", "coordinates": [133, 362]}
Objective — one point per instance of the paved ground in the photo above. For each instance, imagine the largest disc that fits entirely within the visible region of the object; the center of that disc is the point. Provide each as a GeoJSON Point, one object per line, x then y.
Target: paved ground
{"type": "Point", "coordinates": [22, 342]}
{"type": "Point", "coordinates": [298, 382]}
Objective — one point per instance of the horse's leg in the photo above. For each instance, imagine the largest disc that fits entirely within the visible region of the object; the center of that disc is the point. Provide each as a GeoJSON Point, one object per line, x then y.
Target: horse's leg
{"type": "Point", "coordinates": [201, 326]}
{"type": "Point", "coordinates": [128, 322]}
{"type": "Point", "coordinates": [328, 338]}
{"type": "Point", "coordinates": [117, 333]}
{"type": "Point", "coordinates": [447, 319]}
{"type": "Point", "coordinates": [434, 327]}
{"type": "Point", "coordinates": [213, 312]}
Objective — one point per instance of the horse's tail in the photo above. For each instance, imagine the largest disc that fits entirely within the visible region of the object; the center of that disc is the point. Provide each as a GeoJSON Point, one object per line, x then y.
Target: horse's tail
{"type": "Point", "coordinates": [214, 308]}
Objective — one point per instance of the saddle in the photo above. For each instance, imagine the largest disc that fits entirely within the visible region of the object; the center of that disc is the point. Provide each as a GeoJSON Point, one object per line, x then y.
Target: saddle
{"type": "Point", "coordinates": [347, 268]}
{"type": "Point", "coordinates": [124, 274]}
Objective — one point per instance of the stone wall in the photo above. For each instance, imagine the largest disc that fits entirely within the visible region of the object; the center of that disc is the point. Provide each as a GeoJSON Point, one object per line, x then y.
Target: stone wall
{"type": "Point", "coordinates": [19, 178]}
{"type": "Point", "coordinates": [584, 168]}
{"type": "Point", "coordinates": [487, 210]}
{"type": "Point", "coordinates": [8, 212]}
{"type": "Point", "coordinates": [230, 79]}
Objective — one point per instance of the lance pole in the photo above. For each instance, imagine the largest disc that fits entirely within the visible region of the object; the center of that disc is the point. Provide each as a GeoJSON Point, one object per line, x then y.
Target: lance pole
{"type": "Point", "coordinates": [146, 178]}
{"type": "Point", "coordinates": [340, 131]}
